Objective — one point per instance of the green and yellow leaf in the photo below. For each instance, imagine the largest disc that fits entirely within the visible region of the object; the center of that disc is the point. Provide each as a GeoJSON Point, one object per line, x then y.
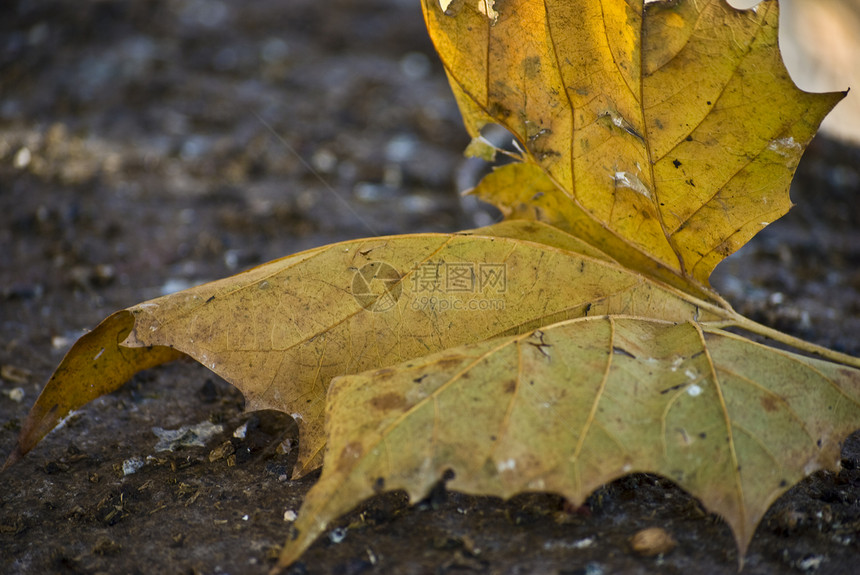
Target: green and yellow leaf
{"type": "Point", "coordinates": [572, 406]}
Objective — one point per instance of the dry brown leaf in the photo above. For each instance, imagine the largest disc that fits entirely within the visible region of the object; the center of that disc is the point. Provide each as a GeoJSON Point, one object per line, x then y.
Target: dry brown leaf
{"type": "Point", "coordinates": [281, 331]}
{"type": "Point", "coordinates": [95, 365]}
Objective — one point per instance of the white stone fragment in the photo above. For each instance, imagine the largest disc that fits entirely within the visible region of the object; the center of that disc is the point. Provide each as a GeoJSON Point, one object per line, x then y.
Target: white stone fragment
{"type": "Point", "coordinates": [132, 465]}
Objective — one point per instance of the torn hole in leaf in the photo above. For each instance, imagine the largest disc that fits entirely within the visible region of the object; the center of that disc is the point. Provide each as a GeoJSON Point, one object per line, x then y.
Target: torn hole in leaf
{"type": "Point", "coordinates": [495, 139]}
{"type": "Point", "coordinates": [632, 181]}
{"type": "Point", "coordinates": [742, 4]}
{"type": "Point", "coordinates": [494, 147]}
{"type": "Point", "coordinates": [485, 7]}
{"type": "Point", "coordinates": [614, 118]}
{"type": "Point", "coordinates": [451, 7]}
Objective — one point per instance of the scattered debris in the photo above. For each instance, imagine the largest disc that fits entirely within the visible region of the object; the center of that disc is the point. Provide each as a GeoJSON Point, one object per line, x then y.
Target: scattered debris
{"type": "Point", "coordinates": [15, 374]}
{"type": "Point", "coordinates": [810, 563]}
{"type": "Point", "coordinates": [186, 436]}
{"type": "Point", "coordinates": [224, 450]}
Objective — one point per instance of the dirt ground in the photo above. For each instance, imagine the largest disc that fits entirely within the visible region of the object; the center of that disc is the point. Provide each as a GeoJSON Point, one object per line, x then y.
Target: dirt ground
{"type": "Point", "coordinates": [146, 146]}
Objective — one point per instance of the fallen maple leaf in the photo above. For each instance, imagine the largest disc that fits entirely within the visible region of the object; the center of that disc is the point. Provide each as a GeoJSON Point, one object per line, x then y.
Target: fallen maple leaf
{"type": "Point", "coordinates": [656, 142]}
{"type": "Point", "coordinates": [669, 134]}
{"type": "Point", "coordinates": [572, 406]}
{"type": "Point", "coordinates": [281, 331]}
{"type": "Point", "coordinates": [668, 171]}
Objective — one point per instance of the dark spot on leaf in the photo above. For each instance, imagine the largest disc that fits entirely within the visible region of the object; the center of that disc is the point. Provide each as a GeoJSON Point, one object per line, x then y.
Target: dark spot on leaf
{"type": "Point", "coordinates": [388, 401]}
{"type": "Point", "coordinates": [703, 435]}
{"type": "Point", "coordinates": [420, 379]}
{"type": "Point", "coordinates": [676, 163]}
{"type": "Point", "coordinates": [783, 483]}
{"type": "Point", "coordinates": [210, 299]}
{"type": "Point", "coordinates": [379, 484]}
{"type": "Point", "coordinates": [769, 403]}
{"type": "Point", "coordinates": [499, 111]}
{"type": "Point", "coordinates": [587, 309]}
{"type": "Point", "coordinates": [689, 138]}
{"type": "Point", "coordinates": [621, 351]}
{"type": "Point", "coordinates": [510, 386]}
{"type": "Point", "coordinates": [673, 388]}
{"type": "Point", "coordinates": [531, 66]}
{"type": "Point", "coordinates": [818, 443]}
{"type": "Point", "coordinates": [690, 182]}
{"type": "Point", "coordinates": [709, 102]}
{"type": "Point", "coordinates": [448, 362]}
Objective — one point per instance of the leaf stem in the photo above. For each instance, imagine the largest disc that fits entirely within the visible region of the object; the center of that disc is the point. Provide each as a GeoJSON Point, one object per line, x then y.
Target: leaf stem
{"type": "Point", "coordinates": [797, 343]}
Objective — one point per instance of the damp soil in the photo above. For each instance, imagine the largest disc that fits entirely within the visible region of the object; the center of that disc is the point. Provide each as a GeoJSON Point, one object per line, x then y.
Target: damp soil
{"type": "Point", "coordinates": [149, 146]}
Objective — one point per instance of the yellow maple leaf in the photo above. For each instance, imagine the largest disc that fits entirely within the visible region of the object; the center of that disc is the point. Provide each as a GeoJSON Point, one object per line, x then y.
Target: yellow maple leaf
{"type": "Point", "coordinates": [668, 133]}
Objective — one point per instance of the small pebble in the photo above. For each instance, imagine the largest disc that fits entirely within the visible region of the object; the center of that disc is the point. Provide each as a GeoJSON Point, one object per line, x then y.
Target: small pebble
{"type": "Point", "coordinates": [22, 158]}
{"type": "Point", "coordinates": [652, 541]}
{"type": "Point", "coordinates": [810, 563]}
{"type": "Point", "coordinates": [16, 394]}
{"type": "Point", "coordinates": [337, 534]}
{"type": "Point", "coordinates": [241, 431]}
{"type": "Point", "coordinates": [132, 465]}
